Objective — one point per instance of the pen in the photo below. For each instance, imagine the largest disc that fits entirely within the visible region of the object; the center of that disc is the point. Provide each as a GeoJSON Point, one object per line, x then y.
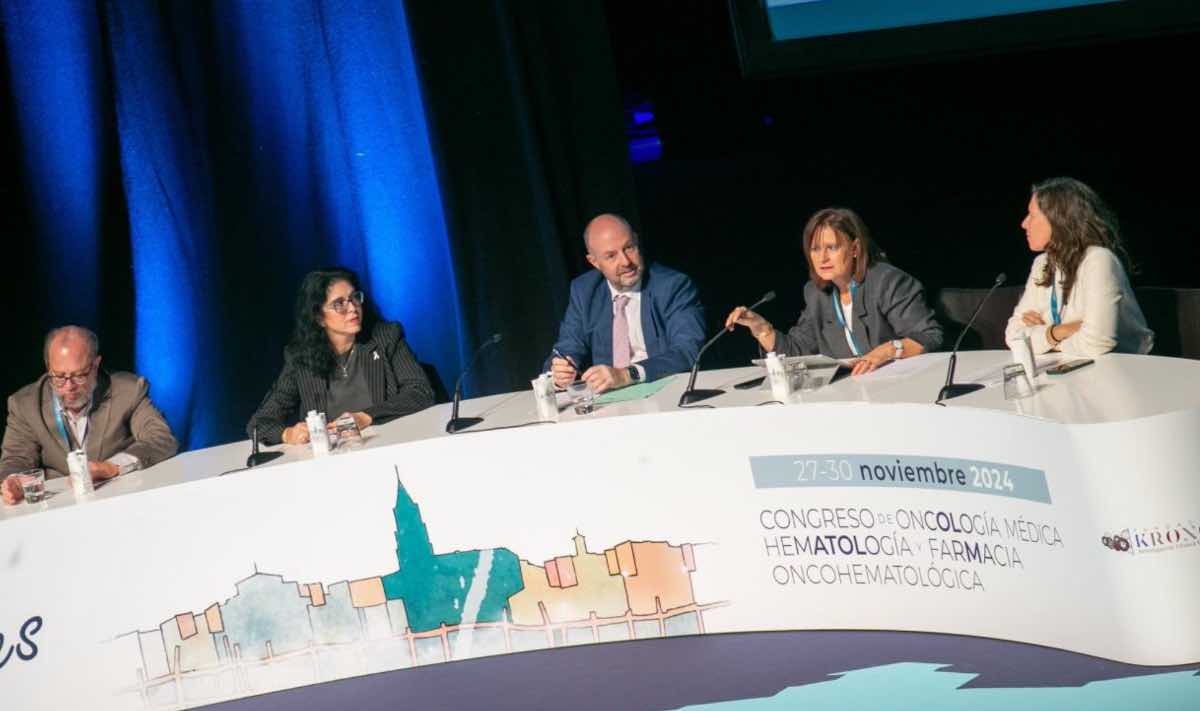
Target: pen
{"type": "Point", "coordinates": [564, 356]}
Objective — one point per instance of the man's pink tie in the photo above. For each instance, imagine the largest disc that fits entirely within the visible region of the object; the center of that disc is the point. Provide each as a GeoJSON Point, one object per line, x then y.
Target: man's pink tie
{"type": "Point", "coordinates": [621, 350]}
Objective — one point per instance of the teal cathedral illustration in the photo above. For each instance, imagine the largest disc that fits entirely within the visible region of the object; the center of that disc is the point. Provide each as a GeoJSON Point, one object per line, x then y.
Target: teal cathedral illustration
{"type": "Point", "coordinates": [451, 588]}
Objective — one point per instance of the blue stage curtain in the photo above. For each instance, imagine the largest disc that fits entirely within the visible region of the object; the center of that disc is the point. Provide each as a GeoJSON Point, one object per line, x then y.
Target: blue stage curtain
{"type": "Point", "coordinates": [57, 77]}
{"type": "Point", "coordinates": [257, 141]}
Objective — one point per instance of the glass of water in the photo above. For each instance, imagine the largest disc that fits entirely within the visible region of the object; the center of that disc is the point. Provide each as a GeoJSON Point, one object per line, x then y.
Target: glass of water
{"type": "Point", "coordinates": [1016, 382]}
{"type": "Point", "coordinates": [800, 378]}
{"type": "Point", "coordinates": [33, 484]}
{"type": "Point", "coordinates": [582, 397]}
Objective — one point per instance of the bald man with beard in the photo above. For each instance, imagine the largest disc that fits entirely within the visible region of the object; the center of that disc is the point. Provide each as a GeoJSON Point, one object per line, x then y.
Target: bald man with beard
{"type": "Point", "coordinates": [629, 320]}
{"type": "Point", "coordinates": [77, 405]}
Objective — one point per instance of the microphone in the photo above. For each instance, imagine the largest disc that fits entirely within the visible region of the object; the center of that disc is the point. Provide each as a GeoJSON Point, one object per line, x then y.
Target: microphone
{"type": "Point", "coordinates": [456, 423]}
{"type": "Point", "coordinates": [256, 457]}
{"type": "Point", "coordinates": [952, 389]}
{"type": "Point", "coordinates": [690, 394]}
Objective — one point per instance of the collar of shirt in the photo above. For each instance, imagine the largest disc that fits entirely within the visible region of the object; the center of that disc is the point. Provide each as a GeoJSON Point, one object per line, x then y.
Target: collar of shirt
{"type": "Point", "coordinates": [78, 423]}
{"type": "Point", "coordinates": [632, 292]}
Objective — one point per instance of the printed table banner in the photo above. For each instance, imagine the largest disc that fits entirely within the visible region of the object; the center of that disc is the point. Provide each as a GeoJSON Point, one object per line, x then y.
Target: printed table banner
{"type": "Point", "coordinates": [905, 518]}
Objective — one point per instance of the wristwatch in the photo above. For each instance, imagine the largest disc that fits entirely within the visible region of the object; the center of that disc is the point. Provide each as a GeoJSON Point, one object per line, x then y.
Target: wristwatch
{"type": "Point", "coordinates": [899, 346]}
{"type": "Point", "coordinates": [633, 374]}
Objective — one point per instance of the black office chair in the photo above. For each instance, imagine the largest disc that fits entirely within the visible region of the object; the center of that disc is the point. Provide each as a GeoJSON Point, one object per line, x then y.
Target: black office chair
{"type": "Point", "coordinates": [955, 306]}
{"type": "Point", "coordinates": [1174, 316]}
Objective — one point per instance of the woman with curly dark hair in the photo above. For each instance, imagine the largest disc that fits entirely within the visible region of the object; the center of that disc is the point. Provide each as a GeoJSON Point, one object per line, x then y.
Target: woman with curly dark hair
{"type": "Point", "coordinates": [1077, 299]}
{"type": "Point", "coordinates": [341, 359]}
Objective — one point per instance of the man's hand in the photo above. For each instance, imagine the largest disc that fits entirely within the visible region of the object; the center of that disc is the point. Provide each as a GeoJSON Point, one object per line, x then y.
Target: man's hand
{"type": "Point", "coordinates": [361, 419]}
{"type": "Point", "coordinates": [563, 371]}
{"type": "Point", "coordinates": [103, 470]}
{"type": "Point", "coordinates": [11, 491]}
{"type": "Point", "coordinates": [603, 377]}
{"type": "Point", "coordinates": [1032, 318]}
{"type": "Point", "coordinates": [296, 434]}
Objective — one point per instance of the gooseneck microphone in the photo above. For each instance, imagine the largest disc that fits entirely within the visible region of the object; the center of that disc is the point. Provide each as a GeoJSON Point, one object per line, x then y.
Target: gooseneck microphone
{"type": "Point", "coordinates": [690, 394]}
{"type": "Point", "coordinates": [952, 389]}
{"type": "Point", "coordinates": [256, 457]}
{"type": "Point", "coordinates": [456, 423]}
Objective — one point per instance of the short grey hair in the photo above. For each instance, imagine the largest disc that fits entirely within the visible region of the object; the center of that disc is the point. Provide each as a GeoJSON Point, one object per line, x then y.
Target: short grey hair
{"type": "Point", "coordinates": [78, 332]}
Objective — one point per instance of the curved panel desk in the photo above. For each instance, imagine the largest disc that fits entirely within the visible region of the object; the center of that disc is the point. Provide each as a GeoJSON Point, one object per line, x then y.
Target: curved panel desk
{"type": "Point", "coordinates": [857, 546]}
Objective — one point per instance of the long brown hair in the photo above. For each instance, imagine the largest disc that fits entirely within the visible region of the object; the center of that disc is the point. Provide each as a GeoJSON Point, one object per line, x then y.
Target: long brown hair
{"type": "Point", "coordinates": [847, 227]}
{"type": "Point", "coordinates": [1078, 219]}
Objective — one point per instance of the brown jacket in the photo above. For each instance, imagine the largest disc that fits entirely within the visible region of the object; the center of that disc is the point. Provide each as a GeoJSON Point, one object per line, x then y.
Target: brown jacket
{"type": "Point", "coordinates": [122, 419]}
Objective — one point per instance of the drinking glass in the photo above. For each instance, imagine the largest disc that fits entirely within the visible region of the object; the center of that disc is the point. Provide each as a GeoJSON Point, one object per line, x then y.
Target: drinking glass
{"type": "Point", "coordinates": [1016, 382]}
{"type": "Point", "coordinates": [582, 397]}
{"type": "Point", "coordinates": [801, 379]}
{"type": "Point", "coordinates": [33, 484]}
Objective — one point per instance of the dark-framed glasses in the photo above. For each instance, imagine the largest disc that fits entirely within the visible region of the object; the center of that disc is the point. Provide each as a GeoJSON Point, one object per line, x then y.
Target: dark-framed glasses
{"type": "Point", "coordinates": [342, 304]}
{"type": "Point", "coordinates": [60, 380]}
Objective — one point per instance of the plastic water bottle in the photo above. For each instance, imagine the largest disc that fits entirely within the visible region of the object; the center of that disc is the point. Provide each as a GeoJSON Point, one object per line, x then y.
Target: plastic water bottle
{"type": "Point", "coordinates": [543, 395]}
{"type": "Point", "coordinates": [317, 434]}
{"type": "Point", "coordinates": [1022, 352]}
{"type": "Point", "coordinates": [781, 388]}
{"type": "Point", "coordinates": [81, 478]}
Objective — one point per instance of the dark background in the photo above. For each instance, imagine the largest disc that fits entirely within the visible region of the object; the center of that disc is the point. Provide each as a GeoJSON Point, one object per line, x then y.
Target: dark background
{"type": "Point", "coordinates": [937, 156]}
{"type": "Point", "coordinates": [529, 105]}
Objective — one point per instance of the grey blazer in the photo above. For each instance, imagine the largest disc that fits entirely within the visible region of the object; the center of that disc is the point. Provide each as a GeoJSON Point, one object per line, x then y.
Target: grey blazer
{"type": "Point", "coordinates": [122, 419]}
{"type": "Point", "coordinates": [889, 304]}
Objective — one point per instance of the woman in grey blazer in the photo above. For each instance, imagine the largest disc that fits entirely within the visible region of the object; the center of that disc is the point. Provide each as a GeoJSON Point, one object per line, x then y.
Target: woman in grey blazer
{"type": "Point", "coordinates": [856, 306]}
{"type": "Point", "coordinates": [341, 360]}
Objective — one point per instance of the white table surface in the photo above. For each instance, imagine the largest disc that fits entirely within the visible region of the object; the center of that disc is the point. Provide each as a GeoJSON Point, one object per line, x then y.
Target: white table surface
{"type": "Point", "coordinates": [1116, 387]}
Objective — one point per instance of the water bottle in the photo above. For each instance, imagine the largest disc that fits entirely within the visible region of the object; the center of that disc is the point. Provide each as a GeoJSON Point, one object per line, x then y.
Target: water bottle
{"type": "Point", "coordinates": [781, 388]}
{"type": "Point", "coordinates": [317, 434]}
{"type": "Point", "coordinates": [543, 395]}
{"type": "Point", "coordinates": [81, 478]}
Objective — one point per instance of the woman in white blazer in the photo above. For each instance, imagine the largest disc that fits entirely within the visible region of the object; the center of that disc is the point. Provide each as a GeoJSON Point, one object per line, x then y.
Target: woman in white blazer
{"type": "Point", "coordinates": [1077, 299]}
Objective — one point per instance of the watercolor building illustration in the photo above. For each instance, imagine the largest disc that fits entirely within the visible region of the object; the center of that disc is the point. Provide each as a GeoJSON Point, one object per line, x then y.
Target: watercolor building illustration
{"type": "Point", "coordinates": [274, 634]}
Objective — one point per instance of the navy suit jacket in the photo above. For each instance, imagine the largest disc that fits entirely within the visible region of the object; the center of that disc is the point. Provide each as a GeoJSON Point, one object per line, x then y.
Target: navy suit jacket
{"type": "Point", "coordinates": [672, 322]}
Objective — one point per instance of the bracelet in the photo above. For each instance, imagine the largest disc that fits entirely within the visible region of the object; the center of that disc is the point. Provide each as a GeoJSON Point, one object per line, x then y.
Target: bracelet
{"type": "Point", "coordinates": [1050, 336]}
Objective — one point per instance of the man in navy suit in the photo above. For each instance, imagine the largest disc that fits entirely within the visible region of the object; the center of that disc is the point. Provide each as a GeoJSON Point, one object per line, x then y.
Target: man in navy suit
{"type": "Point", "coordinates": [627, 322]}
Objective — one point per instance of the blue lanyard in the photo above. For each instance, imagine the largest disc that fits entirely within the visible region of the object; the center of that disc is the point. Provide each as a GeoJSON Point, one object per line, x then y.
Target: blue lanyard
{"type": "Point", "coordinates": [1055, 312]}
{"type": "Point", "coordinates": [61, 427]}
{"type": "Point", "coordinates": [837, 311]}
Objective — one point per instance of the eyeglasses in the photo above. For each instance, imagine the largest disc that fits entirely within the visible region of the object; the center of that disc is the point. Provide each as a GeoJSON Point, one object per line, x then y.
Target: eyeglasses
{"type": "Point", "coordinates": [60, 380]}
{"type": "Point", "coordinates": [342, 304]}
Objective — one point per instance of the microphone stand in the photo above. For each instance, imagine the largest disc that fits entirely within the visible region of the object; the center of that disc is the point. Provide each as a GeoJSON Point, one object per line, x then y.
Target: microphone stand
{"type": "Point", "coordinates": [256, 457]}
{"type": "Point", "coordinates": [690, 394]}
{"type": "Point", "coordinates": [952, 389]}
{"type": "Point", "coordinates": [456, 423]}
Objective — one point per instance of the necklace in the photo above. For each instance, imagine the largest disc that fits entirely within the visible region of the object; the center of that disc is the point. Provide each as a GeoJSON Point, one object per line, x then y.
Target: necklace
{"type": "Point", "coordinates": [344, 362]}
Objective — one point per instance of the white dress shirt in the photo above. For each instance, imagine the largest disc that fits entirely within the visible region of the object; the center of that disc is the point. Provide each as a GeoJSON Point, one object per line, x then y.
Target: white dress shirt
{"type": "Point", "coordinates": [633, 316]}
{"type": "Point", "coordinates": [79, 428]}
{"type": "Point", "coordinates": [1101, 299]}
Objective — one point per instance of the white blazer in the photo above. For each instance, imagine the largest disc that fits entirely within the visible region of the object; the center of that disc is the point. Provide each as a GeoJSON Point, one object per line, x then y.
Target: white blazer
{"type": "Point", "coordinates": [1101, 298]}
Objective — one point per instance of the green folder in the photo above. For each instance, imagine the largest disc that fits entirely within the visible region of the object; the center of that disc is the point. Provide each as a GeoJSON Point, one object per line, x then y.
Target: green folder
{"type": "Point", "coordinates": [640, 391]}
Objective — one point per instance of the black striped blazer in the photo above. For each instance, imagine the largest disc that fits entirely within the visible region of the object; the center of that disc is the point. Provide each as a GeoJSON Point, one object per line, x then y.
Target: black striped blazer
{"type": "Point", "coordinates": [398, 386]}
